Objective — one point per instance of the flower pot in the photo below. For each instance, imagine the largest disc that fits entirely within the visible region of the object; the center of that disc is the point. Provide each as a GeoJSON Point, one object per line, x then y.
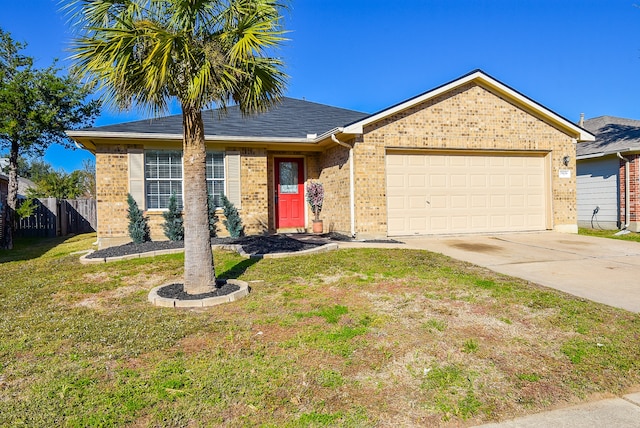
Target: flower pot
{"type": "Point", "coordinates": [317, 226]}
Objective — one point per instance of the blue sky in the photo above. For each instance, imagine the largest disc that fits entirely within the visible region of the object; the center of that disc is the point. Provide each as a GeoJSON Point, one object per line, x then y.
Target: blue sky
{"type": "Point", "coordinates": [572, 56]}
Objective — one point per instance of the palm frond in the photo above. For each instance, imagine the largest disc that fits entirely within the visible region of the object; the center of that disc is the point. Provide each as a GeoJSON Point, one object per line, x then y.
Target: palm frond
{"type": "Point", "coordinates": [200, 52]}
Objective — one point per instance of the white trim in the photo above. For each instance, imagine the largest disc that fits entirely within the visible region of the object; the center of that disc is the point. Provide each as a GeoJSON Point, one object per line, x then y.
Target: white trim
{"type": "Point", "coordinates": [592, 156]}
{"type": "Point", "coordinates": [582, 134]}
{"type": "Point", "coordinates": [627, 151]}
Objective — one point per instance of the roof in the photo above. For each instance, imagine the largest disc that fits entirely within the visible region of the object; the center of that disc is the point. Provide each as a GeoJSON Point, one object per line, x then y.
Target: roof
{"type": "Point", "coordinates": [613, 135]}
{"type": "Point", "coordinates": [24, 184]}
{"type": "Point", "coordinates": [481, 78]}
{"type": "Point", "coordinates": [301, 121]}
{"type": "Point", "coordinates": [289, 119]}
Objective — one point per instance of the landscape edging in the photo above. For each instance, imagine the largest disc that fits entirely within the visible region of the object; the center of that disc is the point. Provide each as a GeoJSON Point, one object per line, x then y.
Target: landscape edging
{"type": "Point", "coordinates": [229, 247]}
{"type": "Point", "coordinates": [167, 302]}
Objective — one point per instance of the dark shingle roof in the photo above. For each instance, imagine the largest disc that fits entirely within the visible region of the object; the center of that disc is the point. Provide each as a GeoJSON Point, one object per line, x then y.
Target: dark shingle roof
{"type": "Point", "coordinates": [291, 118]}
{"type": "Point", "coordinates": [613, 134]}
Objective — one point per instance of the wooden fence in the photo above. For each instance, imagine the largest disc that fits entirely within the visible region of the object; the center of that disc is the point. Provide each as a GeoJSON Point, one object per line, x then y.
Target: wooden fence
{"type": "Point", "coordinates": [59, 217]}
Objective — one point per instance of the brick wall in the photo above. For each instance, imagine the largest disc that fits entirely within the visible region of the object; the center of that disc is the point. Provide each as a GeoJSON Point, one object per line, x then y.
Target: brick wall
{"type": "Point", "coordinates": [469, 117]}
{"type": "Point", "coordinates": [254, 190]}
{"type": "Point", "coordinates": [112, 186]}
{"type": "Point", "coordinates": [634, 192]}
{"type": "Point", "coordinates": [336, 213]}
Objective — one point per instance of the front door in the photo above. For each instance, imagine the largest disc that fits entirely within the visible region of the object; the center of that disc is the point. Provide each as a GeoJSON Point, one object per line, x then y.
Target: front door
{"type": "Point", "coordinates": [289, 192]}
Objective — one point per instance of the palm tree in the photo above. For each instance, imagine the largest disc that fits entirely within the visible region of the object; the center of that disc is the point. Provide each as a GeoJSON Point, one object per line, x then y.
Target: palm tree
{"type": "Point", "coordinates": [201, 53]}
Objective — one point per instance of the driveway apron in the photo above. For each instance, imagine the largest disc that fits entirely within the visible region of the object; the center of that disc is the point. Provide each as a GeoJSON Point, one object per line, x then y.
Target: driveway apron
{"type": "Point", "coordinates": [598, 269]}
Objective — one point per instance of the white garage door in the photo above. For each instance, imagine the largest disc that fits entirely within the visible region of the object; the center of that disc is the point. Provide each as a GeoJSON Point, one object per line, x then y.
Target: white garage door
{"type": "Point", "coordinates": [434, 194]}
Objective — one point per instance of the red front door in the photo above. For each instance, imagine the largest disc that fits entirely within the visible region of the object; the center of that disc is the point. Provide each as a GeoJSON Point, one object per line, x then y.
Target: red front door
{"type": "Point", "coordinates": [289, 192]}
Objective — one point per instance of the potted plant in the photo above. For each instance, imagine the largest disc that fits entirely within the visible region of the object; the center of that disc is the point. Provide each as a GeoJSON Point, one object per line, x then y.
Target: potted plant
{"type": "Point", "coordinates": [315, 197]}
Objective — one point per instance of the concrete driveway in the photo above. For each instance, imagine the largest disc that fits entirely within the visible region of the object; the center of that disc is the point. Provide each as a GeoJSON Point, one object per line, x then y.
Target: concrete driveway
{"type": "Point", "coordinates": [598, 269]}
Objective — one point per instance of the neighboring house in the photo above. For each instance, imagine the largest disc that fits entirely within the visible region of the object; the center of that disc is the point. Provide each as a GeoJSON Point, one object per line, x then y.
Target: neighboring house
{"type": "Point", "coordinates": [24, 185]}
{"type": "Point", "coordinates": [606, 168]}
{"type": "Point", "coordinates": [473, 155]}
{"type": "Point", "coordinates": [4, 188]}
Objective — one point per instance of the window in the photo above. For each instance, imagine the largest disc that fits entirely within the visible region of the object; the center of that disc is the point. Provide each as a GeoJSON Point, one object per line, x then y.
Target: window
{"type": "Point", "coordinates": [163, 176]}
{"type": "Point", "coordinates": [215, 176]}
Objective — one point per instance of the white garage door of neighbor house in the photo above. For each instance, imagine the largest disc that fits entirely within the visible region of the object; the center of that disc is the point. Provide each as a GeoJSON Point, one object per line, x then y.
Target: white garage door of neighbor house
{"type": "Point", "coordinates": [444, 193]}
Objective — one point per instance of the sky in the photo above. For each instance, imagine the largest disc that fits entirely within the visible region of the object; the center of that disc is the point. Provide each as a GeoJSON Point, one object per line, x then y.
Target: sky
{"type": "Point", "coordinates": [572, 56]}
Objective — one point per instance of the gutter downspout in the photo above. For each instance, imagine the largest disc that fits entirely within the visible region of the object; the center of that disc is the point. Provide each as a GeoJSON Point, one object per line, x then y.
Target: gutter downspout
{"type": "Point", "coordinates": [626, 190]}
{"type": "Point", "coordinates": [352, 203]}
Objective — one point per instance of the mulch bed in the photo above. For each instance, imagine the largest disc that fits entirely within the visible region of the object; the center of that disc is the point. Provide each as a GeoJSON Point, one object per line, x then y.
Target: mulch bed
{"type": "Point", "coordinates": [255, 244]}
{"type": "Point", "coordinates": [176, 291]}
{"type": "Point", "coordinates": [250, 244]}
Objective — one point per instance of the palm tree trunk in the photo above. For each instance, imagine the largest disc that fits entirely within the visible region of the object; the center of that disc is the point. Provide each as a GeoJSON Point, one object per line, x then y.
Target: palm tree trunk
{"type": "Point", "coordinates": [199, 274]}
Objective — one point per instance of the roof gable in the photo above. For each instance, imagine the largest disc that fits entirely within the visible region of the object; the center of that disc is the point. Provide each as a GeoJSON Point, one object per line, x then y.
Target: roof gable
{"type": "Point", "coordinates": [483, 79]}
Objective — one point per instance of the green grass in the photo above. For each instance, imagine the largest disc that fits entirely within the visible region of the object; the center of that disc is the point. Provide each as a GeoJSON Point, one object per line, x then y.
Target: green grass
{"type": "Point", "coordinates": [632, 236]}
{"type": "Point", "coordinates": [357, 337]}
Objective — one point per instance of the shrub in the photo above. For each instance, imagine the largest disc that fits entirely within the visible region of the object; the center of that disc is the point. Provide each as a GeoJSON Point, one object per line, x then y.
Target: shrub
{"type": "Point", "coordinates": [138, 227]}
{"type": "Point", "coordinates": [233, 222]}
{"type": "Point", "coordinates": [173, 223]}
{"type": "Point", "coordinates": [213, 218]}
{"type": "Point", "coordinates": [26, 209]}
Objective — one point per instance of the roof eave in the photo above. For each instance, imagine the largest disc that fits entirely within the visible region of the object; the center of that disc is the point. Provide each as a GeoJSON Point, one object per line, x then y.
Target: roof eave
{"type": "Point", "coordinates": [84, 136]}
{"type": "Point", "coordinates": [626, 151]}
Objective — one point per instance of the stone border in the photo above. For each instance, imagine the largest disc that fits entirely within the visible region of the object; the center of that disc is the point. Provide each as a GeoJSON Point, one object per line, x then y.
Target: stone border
{"type": "Point", "coordinates": [166, 302]}
{"type": "Point", "coordinates": [85, 260]}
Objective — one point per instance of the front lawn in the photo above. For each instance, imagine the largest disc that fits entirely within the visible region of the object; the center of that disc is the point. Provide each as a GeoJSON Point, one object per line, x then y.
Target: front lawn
{"type": "Point", "coordinates": [357, 337]}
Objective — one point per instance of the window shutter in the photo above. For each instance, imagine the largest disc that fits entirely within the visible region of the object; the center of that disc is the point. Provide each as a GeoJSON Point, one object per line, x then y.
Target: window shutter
{"type": "Point", "coordinates": [233, 178]}
{"type": "Point", "coordinates": [136, 176]}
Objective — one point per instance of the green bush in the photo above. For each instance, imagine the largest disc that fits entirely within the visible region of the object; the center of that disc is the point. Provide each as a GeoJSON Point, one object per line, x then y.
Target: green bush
{"type": "Point", "coordinates": [213, 218]}
{"type": "Point", "coordinates": [138, 227]}
{"type": "Point", "coordinates": [26, 208]}
{"type": "Point", "coordinates": [233, 222]}
{"type": "Point", "coordinates": [173, 223]}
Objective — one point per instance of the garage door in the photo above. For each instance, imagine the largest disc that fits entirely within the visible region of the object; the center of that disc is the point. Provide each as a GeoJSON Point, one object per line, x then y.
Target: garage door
{"type": "Point", "coordinates": [437, 194]}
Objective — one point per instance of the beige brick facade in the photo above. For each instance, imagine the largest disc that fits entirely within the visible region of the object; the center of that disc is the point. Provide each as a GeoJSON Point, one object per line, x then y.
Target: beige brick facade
{"type": "Point", "coordinates": [470, 117]}
{"type": "Point", "coordinates": [254, 190]}
{"type": "Point", "coordinates": [112, 186]}
{"type": "Point", "coordinates": [257, 190]}
{"type": "Point", "coordinates": [334, 164]}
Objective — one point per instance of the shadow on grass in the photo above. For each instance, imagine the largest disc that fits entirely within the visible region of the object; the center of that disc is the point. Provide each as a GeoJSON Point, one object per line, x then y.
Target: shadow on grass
{"type": "Point", "coordinates": [238, 269]}
{"type": "Point", "coordinates": [30, 248]}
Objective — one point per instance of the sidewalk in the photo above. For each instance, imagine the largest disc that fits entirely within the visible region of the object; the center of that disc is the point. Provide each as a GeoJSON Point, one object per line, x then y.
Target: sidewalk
{"type": "Point", "coordinates": [612, 413]}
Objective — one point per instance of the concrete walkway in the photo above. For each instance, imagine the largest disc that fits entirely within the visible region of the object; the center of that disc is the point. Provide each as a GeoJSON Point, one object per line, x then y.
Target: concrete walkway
{"type": "Point", "coordinates": [612, 413]}
{"type": "Point", "coordinates": [598, 269]}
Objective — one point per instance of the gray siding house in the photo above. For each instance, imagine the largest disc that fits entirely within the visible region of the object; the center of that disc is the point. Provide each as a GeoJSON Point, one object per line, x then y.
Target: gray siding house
{"type": "Point", "coordinates": [607, 174]}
